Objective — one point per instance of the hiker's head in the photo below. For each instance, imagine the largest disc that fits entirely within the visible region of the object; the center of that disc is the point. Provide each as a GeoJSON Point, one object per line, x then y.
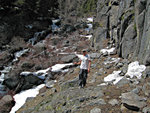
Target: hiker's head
{"type": "Point", "coordinates": [84, 51]}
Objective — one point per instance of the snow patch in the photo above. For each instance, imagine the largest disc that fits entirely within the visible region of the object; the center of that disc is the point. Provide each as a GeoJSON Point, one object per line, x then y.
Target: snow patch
{"type": "Point", "coordinates": [90, 19]}
{"type": "Point", "coordinates": [21, 98]}
{"type": "Point", "coordinates": [135, 70]}
{"type": "Point", "coordinates": [59, 67]}
{"type": "Point", "coordinates": [42, 73]}
{"type": "Point", "coordinates": [107, 50]}
{"type": "Point", "coordinates": [87, 36]}
{"type": "Point", "coordinates": [115, 77]}
{"type": "Point", "coordinates": [19, 54]}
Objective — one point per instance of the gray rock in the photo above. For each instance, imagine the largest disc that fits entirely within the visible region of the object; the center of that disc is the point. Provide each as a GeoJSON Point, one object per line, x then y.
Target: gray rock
{"type": "Point", "coordinates": [70, 83]}
{"type": "Point", "coordinates": [113, 102]}
{"type": "Point", "coordinates": [97, 102]}
{"type": "Point", "coordinates": [50, 84]}
{"type": "Point", "coordinates": [137, 90]}
{"type": "Point", "coordinates": [146, 110]}
{"type": "Point", "coordinates": [7, 103]}
{"type": "Point", "coordinates": [128, 41]}
{"type": "Point", "coordinates": [68, 59]}
{"type": "Point", "coordinates": [93, 65]}
{"type": "Point", "coordinates": [39, 47]}
{"type": "Point", "coordinates": [27, 65]}
{"type": "Point", "coordinates": [99, 37]}
{"type": "Point", "coordinates": [119, 65]}
{"type": "Point", "coordinates": [122, 82]}
{"type": "Point", "coordinates": [95, 55]}
{"type": "Point", "coordinates": [95, 110]}
{"type": "Point", "coordinates": [132, 101]}
{"type": "Point", "coordinates": [105, 54]}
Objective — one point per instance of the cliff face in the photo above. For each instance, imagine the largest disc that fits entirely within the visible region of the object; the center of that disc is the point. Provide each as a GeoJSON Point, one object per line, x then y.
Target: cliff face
{"type": "Point", "coordinates": [126, 23]}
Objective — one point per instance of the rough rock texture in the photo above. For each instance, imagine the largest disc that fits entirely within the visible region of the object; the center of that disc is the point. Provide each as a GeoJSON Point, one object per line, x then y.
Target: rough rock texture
{"type": "Point", "coordinates": [6, 103]}
{"type": "Point", "coordinates": [133, 101]}
{"type": "Point", "coordinates": [126, 23]}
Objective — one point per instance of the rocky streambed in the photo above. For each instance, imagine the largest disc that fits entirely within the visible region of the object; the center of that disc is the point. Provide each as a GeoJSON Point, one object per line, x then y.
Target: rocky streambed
{"type": "Point", "coordinates": [44, 69]}
{"type": "Point", "coordinates": [28, 65]}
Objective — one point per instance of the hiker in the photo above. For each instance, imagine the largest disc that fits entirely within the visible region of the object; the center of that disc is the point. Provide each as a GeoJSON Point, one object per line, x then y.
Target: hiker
{"type": "Point", "coordinates": [85, 64]}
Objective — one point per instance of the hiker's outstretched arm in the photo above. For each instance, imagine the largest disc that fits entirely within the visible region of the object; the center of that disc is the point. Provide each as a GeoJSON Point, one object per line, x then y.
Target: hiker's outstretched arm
{"type": "Point", "coordinates": [77, 63]}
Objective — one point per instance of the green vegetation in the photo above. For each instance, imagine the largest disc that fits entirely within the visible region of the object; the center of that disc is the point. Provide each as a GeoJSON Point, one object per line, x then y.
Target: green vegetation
{"type": "Point", "coordinates": [135, 27]}
{"type": "Point", "coordinates": [89, 6]}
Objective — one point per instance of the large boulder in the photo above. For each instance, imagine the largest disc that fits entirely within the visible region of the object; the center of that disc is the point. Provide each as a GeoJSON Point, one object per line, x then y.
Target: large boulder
{"type": "Point", "coordinates": [95, 55]}
{"type": "Point", "coordinates": [39, 47]}
{"type": "Point", "coordinates": [5, 58]}
{"type": "Point", "coordinates": [69, 58]}
{"type": "Point", "coordinates": [27, 65]}
{"type": "Point", "coordinates": [132, 101]}
{"type": "Point", "coordinates": [22, 83]}
{"type": "Point", "coordinates": [11, 83]}
{"type": "Point", "coordinates": [7, 102]}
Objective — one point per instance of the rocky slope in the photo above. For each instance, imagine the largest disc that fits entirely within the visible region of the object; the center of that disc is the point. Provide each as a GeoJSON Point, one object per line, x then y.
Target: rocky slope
{"type": "Point", "coordinates": [121, 24]}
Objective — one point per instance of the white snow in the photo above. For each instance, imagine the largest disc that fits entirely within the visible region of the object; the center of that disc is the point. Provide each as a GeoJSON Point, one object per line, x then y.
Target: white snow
{"type": "Point", "coordinates": [56, 20]}
{"type": "Point", "coordinates": [107, 50]}
{"type": "Point", "coordinates": [90, 19]}
{"type": "Point", "coordinates": [58, 67]}
{"type": "Point", "coordinates": [19, 54]}
{"type": "Point", "coordinates": [21, 98]}
{"type": "Point", "coordinates": [115, 77]}
{"type": "Point", "coordinates": [135, 70]}
{"type": "Point", "coordinates": [42, 73]}
{"type": "Point", "coordinates": [90, 26]}
{"type": "Point", "coordinates": [6, 69]}
{"type": "Point", "coordinates": [87, 36]}
{"type": "Point", "coordinates": [103, 84]}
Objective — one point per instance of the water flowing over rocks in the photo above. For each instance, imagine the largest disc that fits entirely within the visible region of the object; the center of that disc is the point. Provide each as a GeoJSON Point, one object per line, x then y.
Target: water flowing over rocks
{"type": "Point", "coordinates": [37, 73]}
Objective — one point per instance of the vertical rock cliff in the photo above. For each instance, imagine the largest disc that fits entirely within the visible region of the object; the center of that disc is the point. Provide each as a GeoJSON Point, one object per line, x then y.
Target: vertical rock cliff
{"type": "Point", "coordinates": [126, 22]}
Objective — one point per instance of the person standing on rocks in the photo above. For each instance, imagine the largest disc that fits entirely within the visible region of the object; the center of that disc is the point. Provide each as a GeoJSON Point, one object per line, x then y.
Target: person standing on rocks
{"type": "Point", "coordinates": [85, 64]}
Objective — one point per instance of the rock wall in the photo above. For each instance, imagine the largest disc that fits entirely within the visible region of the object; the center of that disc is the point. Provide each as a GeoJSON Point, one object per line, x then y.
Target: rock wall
{"type": "Point", "coordinates": [125, 22]}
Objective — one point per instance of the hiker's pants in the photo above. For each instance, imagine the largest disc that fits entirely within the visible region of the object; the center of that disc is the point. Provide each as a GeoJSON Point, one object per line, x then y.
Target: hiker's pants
{"type": "Point", "coordinates": [82, 77]}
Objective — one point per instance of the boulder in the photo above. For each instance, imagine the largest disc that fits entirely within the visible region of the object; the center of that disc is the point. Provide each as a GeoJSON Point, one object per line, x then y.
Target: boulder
{"type": "Point", "coordinates": [69, 58]}
{"type": "Point", "coordinates": [132, 101]}
{"type": "Point", "coordinates": [39, 47]}
{"type": "Point", "coordinates": [146, 110]}
{"type": "Point", "coordinates": [29, 82]}
{"type": "Point", "coordinates": [7, 102]}
{"type": "Point", "coordinates": [69, 84]}
{"type": "Point", "coordinates": [27, 65]}
{"type": "Point", "coordinates": [50, 84]}
{"type": "Point", "coordinates": [113, 102]}
{"type": "Point", "coordinates": [95, 55]}
{"type": "Point", "coordinates": [97, 102]}
{"type": "Point", "coordinates": [11, 83]}
{"type": "Point", "coordinates": [95, 110]}
{"type": "Point", "coordinates": [122, 82]}
{"type": "Point", "coordinates": [5, 58]}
